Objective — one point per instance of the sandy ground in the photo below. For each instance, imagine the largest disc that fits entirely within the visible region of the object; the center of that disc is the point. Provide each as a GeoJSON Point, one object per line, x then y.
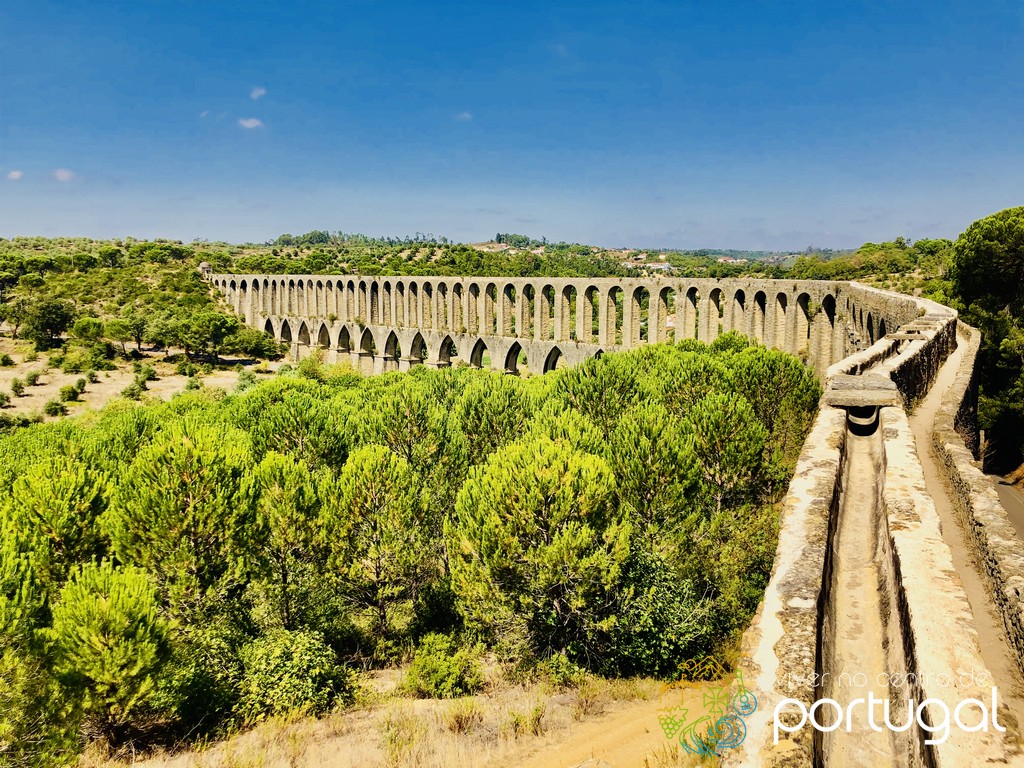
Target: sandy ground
{"type": "Point", "coordinates": [612, 725]}
{"type": "Point", "coordinates": [109, 386]}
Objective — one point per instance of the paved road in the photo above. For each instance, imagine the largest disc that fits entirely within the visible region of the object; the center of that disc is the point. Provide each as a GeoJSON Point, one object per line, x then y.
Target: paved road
{"type": "Point", "coordinates": [1013, 501]}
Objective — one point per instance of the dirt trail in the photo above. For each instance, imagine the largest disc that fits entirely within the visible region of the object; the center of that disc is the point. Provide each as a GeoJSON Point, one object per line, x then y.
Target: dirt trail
{"type": "Point", "coordinates": [995, 649]}
{"type": "Point", "coordinates": [627, 738]}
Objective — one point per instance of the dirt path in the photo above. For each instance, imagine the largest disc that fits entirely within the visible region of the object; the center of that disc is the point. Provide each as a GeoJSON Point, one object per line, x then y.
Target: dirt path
{"type": "Point", "coordinates": [994, 647]}
{"type": "Point", "coordinates": [627, 738]}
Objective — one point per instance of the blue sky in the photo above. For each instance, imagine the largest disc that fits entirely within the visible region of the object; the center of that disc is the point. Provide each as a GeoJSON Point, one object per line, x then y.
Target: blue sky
{"type": "Point", "coordinates": [677, 124]}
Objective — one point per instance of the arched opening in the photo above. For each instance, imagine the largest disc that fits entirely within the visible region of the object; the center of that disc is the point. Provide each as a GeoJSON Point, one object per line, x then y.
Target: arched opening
{"type": "Point", "coordinates": [512, 359]}
{"type": "Point", "coordinates": [691, 314]}
{"type": "Point", "coordinates": [275, 308]}
{"type": "Point", "coordinates": [400, 305]}
{"type": "Point", "coordinates": [587, 322]}
{"type": "Point", "coordinates": [568, 307]}
{"type": "Point", "coordinates": [554, 360]}
{"type": "Point", "coordinates": [448, 352]}
{"type": "Point", "coordinates": [664, 327]}
{"type": "Point", "coordinates": [525, 313]}
{"type": "Point", "coordinates": [418, 349]}
{"type": "Point", "coordinates": [547, 313]}
{"type": "Point", "coordinates": [881, 328]}
{"type": "Point", "coordinates": [323, 339]}
{"type": "Point", "coordinates": [303, 335]}
{"type": "Point", "coordinates": [760, 304]}
{"type": "Point", "coordinates": [290, 301]}
{"type": "Point", "coordinates": [321, 305]}
{"type": "Point", "coordinates": [344, 340]}
{"type": "Point", "coordinates": [443, 319]}
{"type": "Point", "coordinates": [473, 318]}
{"type": "Point", "coordinates": [392, 350]}
{"type": "Point", "coordinates": [458, 313]}
{"type": "Point", "coordinates": [508, 311]}
{"type": "Point", "coordinates": [490, 309]}
{"type": "Point", "coordinates": [871, 329]}
{"type": "Point", "coordinates": [268, 327]}
{"type": "Point", "coordinates": [640, 307]}
{"type": "Point", "coordinates": [427, 320]}
{"type": "Point", "coordinates": [716, 310]}
{"type": "Point", "coordinates": [738, 316]}
{"type": "Point", "coordinates": [286, 332]}
{"type": "Point", "coordinates": [480, 357]}
{"type": "Point", "coordinates": [350, 301]}
{"type": "Point", "coordinates": [367, 346]}
{"type": "Point", "coordinates": [615, 314]}
{"type": "Point", "coordinates": [780, 321]}
{"type": "Point", "coordinates": [387, 300]}
{"type": "Point", "coordinates": [803, 325]}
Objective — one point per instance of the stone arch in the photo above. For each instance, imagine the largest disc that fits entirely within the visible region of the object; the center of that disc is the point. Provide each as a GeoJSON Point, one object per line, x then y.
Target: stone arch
{"type": "Point", "coordinates": [400, 304]}
{"type": "Point", "coordinates": [303, 334]}
{"type": "Point", "coordinates": [417, 349]}
{"type": "Point", "coordinates": [427, 301]}
{"type": "Point", "coordinates": [473, 315]}
{"type": "Point", "coordinates": [286, 332]}
{"type": "Point", "coordinates": [350, 301]}
{"type": "Point", "coordinates": [638, 327]}
{"type": "Point", "coordinates": [870, 329]}
{"type": "Point", "coordinates": [802, 334]}
{"type": "Point", "coordinates": [323, 338]}
{"type": "Point", "coordinates": [554, 360]}
{"type": "Point", "coordinates": [547, 313]}
{"type": "Point", "coordinates": [373, 313]}
{"type": "Point", "coordinates": [737, 320]}
{"type": "Point", "coordinates": [565, 316]}
{"type": "Point", "coordinates": [478, 358]}
{"type": "Point", "coordinates": [881, 328]}
{"type": "Point", "coordinates": [275, 308]}
{"type": "Point", "coordinates": [367, 345]}
{"type": "Point", "coordinates": [387, 301]}
{"type": "Point", "coordinates": [760, 313]}
{"type": "Point", "coordinates": [443, 317]}
{"type": "Point", "coordinates": [290, 299]}
{"type": "Point", "coordinates": [458, 315]}
{"type": "Point", "coordinates": [509, 323]}
{"type": "Point", "coordinates": [321, 304]}
{"type": "Point", "coordinates": [525, 315]}
{"type": "Point", "coordinates": [490, 318]}
{"type": "Point", "coordinates": [716, 312]}
{"type": "Point", "coordinates": [666, 316]}
{"type": "Point", "coordinates": [586, 319]}
{"type": "Point", "coordinates": [447, 350]}
{"type": "Point", "coordinates": [781, 304]}
{"type": "Point", "coordinates": [691, 314]}
{"type": "Point", "coordinates": [268, 327]}
{"type": "Point", "coordinates": [614, 309]}
{"type": "Point", "coordinates": [512, 358]}
{"type": "Point", "coordinates": [392, 349]}
{"type": "Point", "coordinates": [344, 340]}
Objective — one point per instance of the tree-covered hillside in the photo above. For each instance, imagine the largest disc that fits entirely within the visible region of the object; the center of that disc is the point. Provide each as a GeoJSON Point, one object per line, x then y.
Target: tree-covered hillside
{"type": "Point", "coordinates": [172, 569]}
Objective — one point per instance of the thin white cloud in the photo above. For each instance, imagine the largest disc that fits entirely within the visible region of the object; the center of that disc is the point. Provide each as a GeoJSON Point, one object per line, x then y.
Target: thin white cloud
{"type": "Point", "coordinates": [250, 122]}
{"type": "Point", "coordinates": [14, 175]}
{"type": "Point", "coordinates": [464, 117]}
{"type": "Point", "coordinates": [204, 113]}
{"type": "Point", "coordinates": [257, 93]}
{"type": "Point", "coordinates": [63, 174]}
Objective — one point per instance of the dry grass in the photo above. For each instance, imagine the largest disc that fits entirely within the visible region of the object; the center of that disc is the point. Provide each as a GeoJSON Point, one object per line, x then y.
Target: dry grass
{"type": "Point", "coordinates": [388, 729]}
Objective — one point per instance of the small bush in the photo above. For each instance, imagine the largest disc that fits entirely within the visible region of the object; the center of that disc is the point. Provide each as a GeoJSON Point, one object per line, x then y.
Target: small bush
{"type": "Point", "coordinates": [526, 723]}
{"type": "Point", "coordinates": [562, 672]}
{"type": "Point", "coordinates": [5, 399]}
{"type": "Point", "coordinates": [55, 360]}
{"type": "Point", "coordinates": [32, 378]}
{"type": "Point", "coordinates": [246, 379]}
{"type": "Point", "coordinates": [17, 387]}
{"type": "Point", "coordinates": [146, 373]}
{"type": "Point", "coordinates": [68, 394]}
{"type": "Point", "coordinates": [55, 408]}
{"type": "Point", "coordinates": [32, 356]}
{"type": "Point", "coordinates": [402, 734]}
{"type": "Point", "coordinates": [442, 670]}
{"type": "Point", "coordinates": [186, 368]}
{"type": "Point", "coordinates": [133, 391]}
{"type": "Point", "coordinates": [80, 386]}
{"type": "Point", "coordinates": [206, 369]}
{"type": "Point", "coordinates": [292, 673]}
{"type": "Point", "coordinates": [6, 361]}
{"type": "Point", "coordinates": [463, 715]}
{"type": "Point", "coordinates": [92, 376]}
{"type": "Point", "coordinates": [192, 384]}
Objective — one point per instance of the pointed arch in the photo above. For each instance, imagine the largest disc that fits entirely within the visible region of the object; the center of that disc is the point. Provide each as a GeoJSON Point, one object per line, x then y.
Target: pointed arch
{"type": "Point", "coordinates": [392, 349]}
{"type": "Point", "coordinates": [512, 358]}
{"type": "Point", "coordinates": [323, 338]}
{"type": "Point", "coordinates": [554, 360]}
{"type": "Point", "coordinates": [479, 357]}
{"type": "Point", "coordinates": [418, 348]}
{"type": "Point", "coordinates": [303, 334]}
{"type": "Point", "coordinates": [366, 343]}
{"type": "Point", "coordinates": [268, 327]}
{"type": "Point", "coordinates": [344, 340]}
{"type": "Point", "coordinates": [286, 332]}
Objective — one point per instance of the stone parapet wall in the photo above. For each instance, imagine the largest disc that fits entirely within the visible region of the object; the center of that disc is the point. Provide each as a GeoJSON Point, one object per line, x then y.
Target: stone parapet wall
{"type": "Point", "coordinates": [990, 534]}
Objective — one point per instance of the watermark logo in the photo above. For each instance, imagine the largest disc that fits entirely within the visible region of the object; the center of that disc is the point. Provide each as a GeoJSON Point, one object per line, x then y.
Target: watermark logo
{"type": "Point", "coordinates": [719, 724]}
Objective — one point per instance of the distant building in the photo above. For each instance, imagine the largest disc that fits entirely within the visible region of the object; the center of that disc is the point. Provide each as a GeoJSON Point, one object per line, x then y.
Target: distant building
{"type": "Point", "coordinates": [731, 260]}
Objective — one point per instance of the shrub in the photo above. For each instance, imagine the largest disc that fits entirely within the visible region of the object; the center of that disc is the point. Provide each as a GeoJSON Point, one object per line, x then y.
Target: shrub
{"type": "Point", "coordinates": [402, 735]}
{"type": "Point", "coordinates": [55, 408]}
{"type": "Point", "coordinates": [146, 373]}
{"type": "Point", "coordinates": [562, 672]}
{"type": "Point", "coordinates": [32, 356]}
{"type": "Point", "coordinates": [246, 380]}
{"type": "Point", "coordinates": [206, 369]}
{"type": "Point", "coordinates": [192, 384]}
{"type": "Point", "coordinates": [292, 672]}
{"type": "Point", "coordinates": [55, 360]}
{"type": "Point", "coordinates": [109, 641]}
{"type": "Point", "coordinates": [80, 386]}
{"type": "Point", "coordinates": [526, 723]}
{"type": "Point", "coordinates": [442, 670]}
{"type": "Point", "coordinates": [32, 378]}
{"type": "Point", "coordinates": [186, 368]}
{"type": "Point", "coordinates": [17, 387]}
{"type": "Point", "coordinates": [133, 391]}
{"type": "Point", "coordinates": [462, 716]}
{"type": "Point", "coordinates": [5, 399]}
{"type": "Point", "coordinates": [68, 394]}
{"type": "Point", "coordinates": [92, 376]}
{"type": "Point", "coordinates": [6, 361]}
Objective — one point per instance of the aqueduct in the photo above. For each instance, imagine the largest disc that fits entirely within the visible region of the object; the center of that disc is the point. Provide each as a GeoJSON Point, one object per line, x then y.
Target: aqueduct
{"type": "Point", "coordinates": [895, 560]}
